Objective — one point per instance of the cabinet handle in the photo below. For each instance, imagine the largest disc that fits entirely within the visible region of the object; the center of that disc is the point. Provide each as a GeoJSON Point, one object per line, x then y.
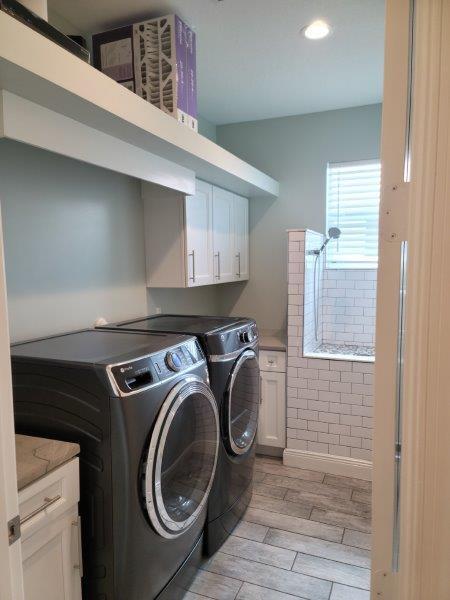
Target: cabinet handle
{"type": "Point", "coordinates": [193, 265]}
{"type": "Point", "coordinates": [47, 502]}
{"type": "Point", "coordinates": [218, 265]}
{"type": "Point", "coordinates": [79, 565]}
{"type": "Point", "coordinates": [238, 256]}
{"type": "Point", "coordinates": [260, 389]}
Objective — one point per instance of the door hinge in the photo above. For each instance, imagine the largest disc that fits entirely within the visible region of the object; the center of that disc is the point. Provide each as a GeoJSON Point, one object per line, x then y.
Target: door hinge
{"type": "Point", "coordinates": [383, 585]}
{"type": "Point", "coordinates": [394, 212]}
{"type": "Point", "coordinates": [14, 530]}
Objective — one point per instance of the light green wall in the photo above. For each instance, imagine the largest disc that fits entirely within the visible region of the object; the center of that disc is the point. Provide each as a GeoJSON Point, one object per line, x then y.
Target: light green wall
{"type": "Point", "coordinates": [207, 129]}
{"type": "Point", "coordinates": [295, 151]}
{"type": "Point", "coordinates": [74, 240]}
{"type": "Point", "coordinates": [74, 246]}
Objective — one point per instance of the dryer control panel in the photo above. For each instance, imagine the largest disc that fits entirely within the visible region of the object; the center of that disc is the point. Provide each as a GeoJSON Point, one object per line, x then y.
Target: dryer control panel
{"type": "Point", "coordinates": [137, 375]}
{"type": "Point", "coordinates": [233, 339]}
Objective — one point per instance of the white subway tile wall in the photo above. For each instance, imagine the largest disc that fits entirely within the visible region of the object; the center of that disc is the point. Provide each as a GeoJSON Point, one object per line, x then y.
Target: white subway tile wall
{"type": "Point", "coordinates": [348, 306]}
{"type": "Point", "coordinates": [329, 402]}
{"type": "Point", "coordinates": [313, 277]}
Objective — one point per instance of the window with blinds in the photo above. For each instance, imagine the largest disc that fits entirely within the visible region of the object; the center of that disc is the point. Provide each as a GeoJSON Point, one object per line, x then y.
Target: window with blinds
{"type": "Point", "coordinates": [353, 201]}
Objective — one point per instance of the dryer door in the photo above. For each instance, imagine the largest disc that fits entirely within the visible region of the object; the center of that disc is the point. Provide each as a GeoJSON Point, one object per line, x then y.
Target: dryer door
{"type": "Point", "coordinates": [242, 402]}
{"type": "Point", "coordinates": [181, 460]}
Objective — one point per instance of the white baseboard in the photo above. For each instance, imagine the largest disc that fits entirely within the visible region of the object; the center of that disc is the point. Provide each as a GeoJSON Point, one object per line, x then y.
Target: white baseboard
{"type": "Point", "coordinates": [328, 463]}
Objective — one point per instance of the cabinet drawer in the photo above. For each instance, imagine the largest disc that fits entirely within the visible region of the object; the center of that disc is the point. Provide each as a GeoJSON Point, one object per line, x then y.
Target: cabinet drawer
{"type": "Point", "coordinates": [272, 361]}
{"type": "Point", "coordinates": [48, 498]}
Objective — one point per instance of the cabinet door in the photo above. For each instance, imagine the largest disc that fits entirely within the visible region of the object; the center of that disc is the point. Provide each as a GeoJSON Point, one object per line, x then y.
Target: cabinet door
{"type": "Point", "coordinates": [241, 251]}
{"type": "Point", "coordinates": [223, 235]}
{"type": "Point", "coordinates": [51, 564]}
{"type": "Point", "coordinates": [199, 250]}
{"type": "Point", "coordinates": [272, 413]}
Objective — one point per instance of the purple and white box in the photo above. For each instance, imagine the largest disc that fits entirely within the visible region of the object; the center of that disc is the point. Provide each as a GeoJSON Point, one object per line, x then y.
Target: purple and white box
{"type": "Point", "coordinates": [191, 78]}
{"type": "Point", "coordinates": [150, 58]}
{"type": "Point", "coordinates": [180, 71]}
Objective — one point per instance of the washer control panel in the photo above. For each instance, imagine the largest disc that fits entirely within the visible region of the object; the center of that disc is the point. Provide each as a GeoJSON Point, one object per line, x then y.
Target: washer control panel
{"type": "Point", "coordinates": [144, 372]}
{"type": "Point", "coordinates": [174, 360]}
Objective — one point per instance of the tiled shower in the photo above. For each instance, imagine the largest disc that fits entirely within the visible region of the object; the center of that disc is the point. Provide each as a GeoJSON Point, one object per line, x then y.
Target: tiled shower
{"type": "Point", "coordinates": [331, 336]}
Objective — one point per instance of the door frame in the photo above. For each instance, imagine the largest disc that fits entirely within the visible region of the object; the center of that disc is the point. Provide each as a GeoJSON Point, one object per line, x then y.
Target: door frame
{"type": "Point", "coordinates": [425, 523]}
{"type": "Point", "coordinates": [11, 578]}
{"type": "Point", "coordinates": [417, 212]}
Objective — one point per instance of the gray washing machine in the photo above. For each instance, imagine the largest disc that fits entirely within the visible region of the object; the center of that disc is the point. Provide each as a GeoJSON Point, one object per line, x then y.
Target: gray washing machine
{"type": "Point", "coordinates": [140, 406]}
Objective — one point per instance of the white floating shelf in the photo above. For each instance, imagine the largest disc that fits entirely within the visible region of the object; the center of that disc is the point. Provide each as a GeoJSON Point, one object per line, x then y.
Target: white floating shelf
{"type": "Point", "coordinates": [38, 70]}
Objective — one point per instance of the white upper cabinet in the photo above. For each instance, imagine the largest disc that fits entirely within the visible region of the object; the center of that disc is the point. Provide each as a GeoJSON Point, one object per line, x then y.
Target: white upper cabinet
{"type": "Point", "coordinates": [241, 238]}
{"type": "Point", "coordinates": [223, 235]}
{"type": "Point", "coordinates": [195, 240]}
{"type": "Point", "coordinates": [199, 239]}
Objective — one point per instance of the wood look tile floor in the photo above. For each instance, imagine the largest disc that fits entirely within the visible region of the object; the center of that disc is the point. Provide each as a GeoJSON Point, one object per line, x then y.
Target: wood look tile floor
{"type": "Point", "coordinates": [305, 535]}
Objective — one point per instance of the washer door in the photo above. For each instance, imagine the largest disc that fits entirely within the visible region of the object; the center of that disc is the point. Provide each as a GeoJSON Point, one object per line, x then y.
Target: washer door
{"type": "Point", "coordinates": [242, 402]}
{"type": "Point", "coordinates": [182, 457]}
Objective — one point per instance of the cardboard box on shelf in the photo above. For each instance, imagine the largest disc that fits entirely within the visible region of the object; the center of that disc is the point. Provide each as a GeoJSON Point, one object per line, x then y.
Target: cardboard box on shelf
{"type": "Point", "coordinates": [150, 58]}
{"type": "Point", "coordinates": [191, 65]}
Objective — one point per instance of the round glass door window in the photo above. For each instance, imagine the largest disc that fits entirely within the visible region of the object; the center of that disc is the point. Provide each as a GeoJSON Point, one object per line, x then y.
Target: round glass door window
{"type": "Point", "coordinates": [243, 402]}
{"type": "Point", "coordinates": [182, 458]}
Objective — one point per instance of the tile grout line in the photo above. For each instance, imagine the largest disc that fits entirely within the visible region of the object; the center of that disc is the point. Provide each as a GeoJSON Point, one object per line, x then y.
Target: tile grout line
{"type": "Point", "coordinates": [331, 591]}
{"type": "Point", "coordinates": [315, 537]}
{"type": "Point", "coordinates": [280, 568]}
{"type": "Point", "coordinates": [330, 581]}
{"type": "Point", "coordinates": [319, 508]}
{"type": "Point", "coordinates": [239, 590]}
{"type": "Point", "coordinates": [312, 508]}
{"type": "Point", "coordinates": [258, 562]}
{"type": "Point", "coordinates": [316, 555]}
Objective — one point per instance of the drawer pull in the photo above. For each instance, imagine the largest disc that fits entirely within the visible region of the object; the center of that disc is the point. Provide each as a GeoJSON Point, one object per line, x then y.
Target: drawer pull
{"type": "Point", "coordinates": [47, 502]}
{"type": "Point", "coordinates": [271, 361]}
{"type": "Point", "coordinates": [79, 564]}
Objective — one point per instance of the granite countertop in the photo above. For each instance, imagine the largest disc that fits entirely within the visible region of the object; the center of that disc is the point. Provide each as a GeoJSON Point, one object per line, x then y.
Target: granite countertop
{"type": "Point", "coordinates": [37, 456]}
{"type": "Point", "coordinates": [270, 339]}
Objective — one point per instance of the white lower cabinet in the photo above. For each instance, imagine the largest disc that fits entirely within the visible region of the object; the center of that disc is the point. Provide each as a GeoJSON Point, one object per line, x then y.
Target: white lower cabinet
{"type": "Point", "coordinates": [272, 413]}
{"type": "Point", "coordinates": [50, 533]}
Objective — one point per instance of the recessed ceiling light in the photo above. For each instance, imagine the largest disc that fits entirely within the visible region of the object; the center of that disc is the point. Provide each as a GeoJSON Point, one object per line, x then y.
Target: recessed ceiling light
{"type": "Point", "coordinates": [316, 30]}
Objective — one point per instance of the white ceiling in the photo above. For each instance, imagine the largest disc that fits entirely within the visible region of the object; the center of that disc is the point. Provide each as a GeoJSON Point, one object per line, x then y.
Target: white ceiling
{"type": "Point", "coordinates": [252, 61]}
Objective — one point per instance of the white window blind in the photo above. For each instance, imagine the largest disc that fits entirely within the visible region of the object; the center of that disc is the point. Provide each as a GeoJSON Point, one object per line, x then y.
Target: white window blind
{"type": "Point", "coordinates": [353, 201]}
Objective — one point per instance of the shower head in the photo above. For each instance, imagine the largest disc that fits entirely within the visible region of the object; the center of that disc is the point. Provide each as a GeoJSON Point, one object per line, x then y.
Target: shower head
{"type": "Point", "coordinates": [334, 233]}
